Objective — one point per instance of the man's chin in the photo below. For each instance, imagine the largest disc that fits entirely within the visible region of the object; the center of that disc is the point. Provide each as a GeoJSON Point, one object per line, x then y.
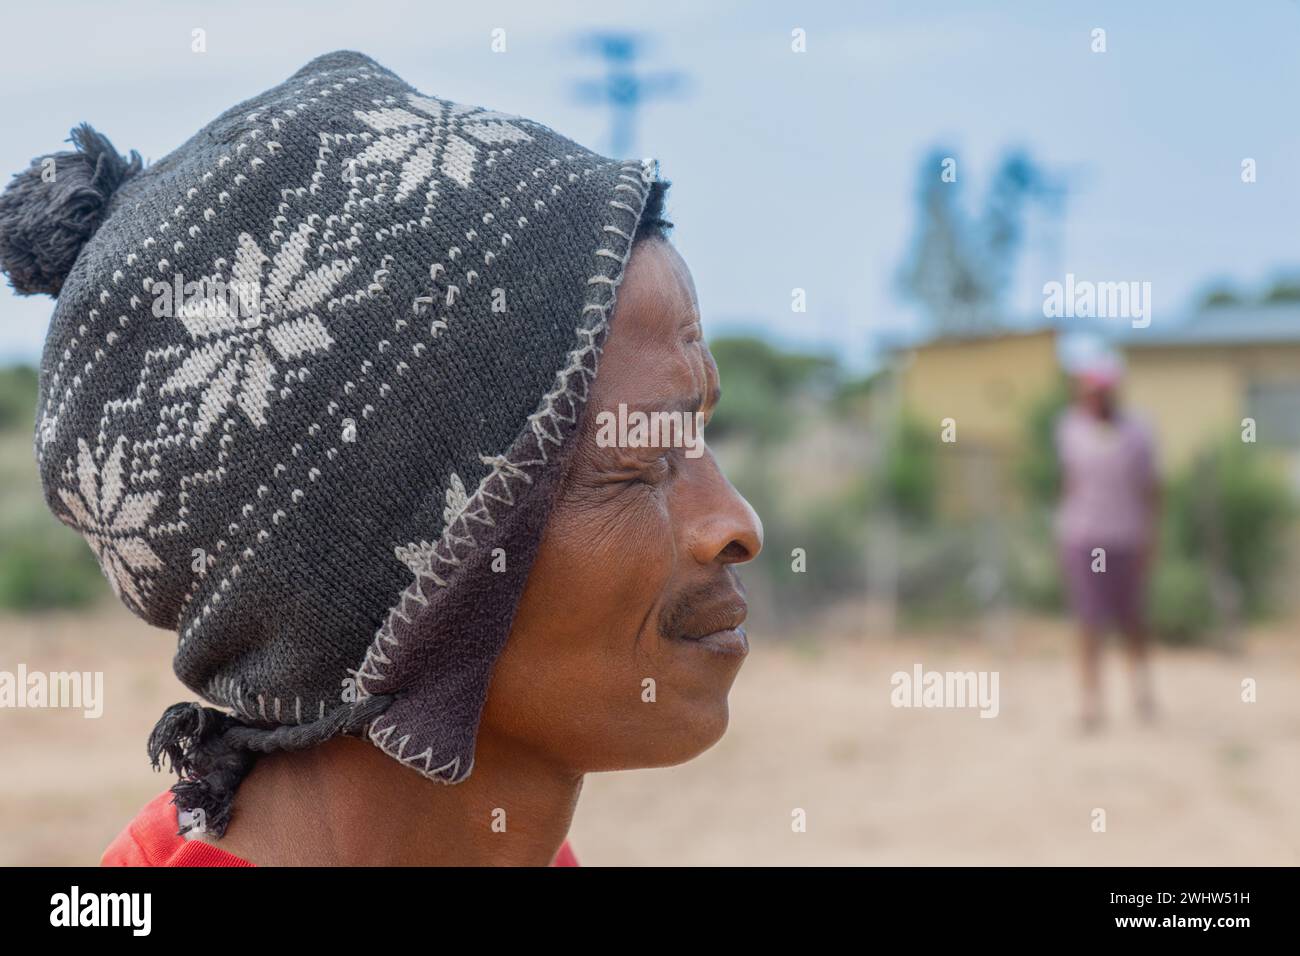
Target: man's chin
{"type": "Point", "coordinates": [702, 730]}
{"type": "Point", "coordinates": [669, 742]}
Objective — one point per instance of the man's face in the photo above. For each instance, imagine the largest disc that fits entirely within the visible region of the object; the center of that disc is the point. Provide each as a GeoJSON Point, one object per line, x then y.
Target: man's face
{"type": "Point", "coordinates": [628, 636]}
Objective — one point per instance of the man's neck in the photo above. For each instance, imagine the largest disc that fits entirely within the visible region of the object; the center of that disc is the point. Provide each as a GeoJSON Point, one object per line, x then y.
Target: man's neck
{"type": "Point", "coordinates": [345, 803]}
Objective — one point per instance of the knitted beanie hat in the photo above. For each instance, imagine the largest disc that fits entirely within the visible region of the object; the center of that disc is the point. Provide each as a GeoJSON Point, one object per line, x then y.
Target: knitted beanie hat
{"type": "Point", "coordinates": [308, 393]}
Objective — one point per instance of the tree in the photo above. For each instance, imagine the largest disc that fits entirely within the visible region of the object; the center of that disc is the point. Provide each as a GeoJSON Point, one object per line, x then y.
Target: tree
{"type": "Point", "coordinates": [959, 268]}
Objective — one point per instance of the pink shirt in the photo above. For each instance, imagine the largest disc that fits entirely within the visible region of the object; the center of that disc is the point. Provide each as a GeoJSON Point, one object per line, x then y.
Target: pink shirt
{"type": "Point", "coordinates": [1109, 470]}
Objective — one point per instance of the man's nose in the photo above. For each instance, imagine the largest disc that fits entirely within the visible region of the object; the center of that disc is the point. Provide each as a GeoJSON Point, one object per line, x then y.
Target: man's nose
{"type": "Point", "coordinates": [723, 526]}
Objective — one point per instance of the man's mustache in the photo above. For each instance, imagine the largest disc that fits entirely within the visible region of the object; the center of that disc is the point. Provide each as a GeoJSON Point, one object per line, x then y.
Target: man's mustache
{"type": "Point", "coordinates": [697, 603]}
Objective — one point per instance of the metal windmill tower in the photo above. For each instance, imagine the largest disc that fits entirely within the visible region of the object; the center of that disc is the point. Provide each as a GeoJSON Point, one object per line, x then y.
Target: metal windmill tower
{"type": "Point", "coordinates": [622, 88]}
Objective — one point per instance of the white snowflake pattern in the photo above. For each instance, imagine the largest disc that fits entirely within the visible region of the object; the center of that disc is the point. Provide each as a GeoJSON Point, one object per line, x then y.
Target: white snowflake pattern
{"type": "Point", "coordinates": [112, 520]}
{"type": "Point", "coordinates": [418, 555]}
{"type": "Point", "coordinates": [432, 136]}
{"type": "Point", "coordinates": [236, 335]}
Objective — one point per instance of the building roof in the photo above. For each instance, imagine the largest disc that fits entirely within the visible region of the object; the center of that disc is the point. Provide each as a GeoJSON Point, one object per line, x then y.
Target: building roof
{"type": "Point", "coordinates": [1224, 325]}
{"type": "Point", "coordinates": [903, 341]}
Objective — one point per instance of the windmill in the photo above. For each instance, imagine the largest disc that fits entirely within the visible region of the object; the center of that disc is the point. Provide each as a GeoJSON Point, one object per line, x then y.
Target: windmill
{"type": "Point", "coordinates": [622, 88]}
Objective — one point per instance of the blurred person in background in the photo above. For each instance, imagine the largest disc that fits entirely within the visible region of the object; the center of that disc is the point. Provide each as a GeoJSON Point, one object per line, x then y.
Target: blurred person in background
{"type": "Point", "coordinates": [1107, 526]}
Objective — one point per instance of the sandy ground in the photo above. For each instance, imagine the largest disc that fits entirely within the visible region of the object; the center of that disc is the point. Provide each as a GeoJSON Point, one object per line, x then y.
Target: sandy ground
{"type": "Point", "coordinates": [1215, 781]}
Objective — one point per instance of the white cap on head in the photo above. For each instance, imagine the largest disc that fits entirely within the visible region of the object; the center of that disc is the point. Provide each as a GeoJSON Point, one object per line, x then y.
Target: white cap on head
{"type": "Point", "coordinates": [1093, 361]}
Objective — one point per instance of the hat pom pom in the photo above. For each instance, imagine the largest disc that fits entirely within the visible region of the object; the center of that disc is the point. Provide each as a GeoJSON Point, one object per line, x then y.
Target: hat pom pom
{"type": "Point", "coordinates": [50, 210]}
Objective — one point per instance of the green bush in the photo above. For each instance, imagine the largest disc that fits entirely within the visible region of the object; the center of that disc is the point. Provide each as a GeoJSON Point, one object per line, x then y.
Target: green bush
{"type": "Point", "coordinates": [43, 565]}
{"type": "Point", "coordinates": [43, 568]}
{"type": "Point", "coordinates": [907, 480]}
{"type": "Point", "coordinates": [831, 531]}
{"type": "Point", "coordinates": [1039, 468]}
{"type": "Point", "coordinates": [764, 387]}
{"type": "Point", "coordinates": [1228, 510]}
{"type": "Point", "coordinates": [936, 566]}
{"type": "Point", "coordinates": [1034, 569]}
{"type": "Point", "coordinates": [17, 398]}
{"type": "Point", "coordinates": [1181, 611]}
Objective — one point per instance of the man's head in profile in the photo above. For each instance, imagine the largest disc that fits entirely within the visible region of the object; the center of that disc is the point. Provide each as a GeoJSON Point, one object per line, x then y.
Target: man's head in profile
{"type": "Point", "coordinates": [391, 409]}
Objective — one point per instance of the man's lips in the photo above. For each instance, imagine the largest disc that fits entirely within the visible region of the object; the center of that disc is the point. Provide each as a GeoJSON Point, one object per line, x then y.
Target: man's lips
{"type": "Point", "coordinates": [709, 616]}
{"type": "Point", "coordinates": [718, 621]}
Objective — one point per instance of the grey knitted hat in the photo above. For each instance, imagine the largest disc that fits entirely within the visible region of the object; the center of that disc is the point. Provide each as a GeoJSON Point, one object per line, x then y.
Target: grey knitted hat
{"type": "Point", "coordinates": [308, 393]}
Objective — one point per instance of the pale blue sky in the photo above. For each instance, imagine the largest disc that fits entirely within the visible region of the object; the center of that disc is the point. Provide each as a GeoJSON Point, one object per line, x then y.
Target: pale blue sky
{"type": "Point", "coordinates": [789, 170]}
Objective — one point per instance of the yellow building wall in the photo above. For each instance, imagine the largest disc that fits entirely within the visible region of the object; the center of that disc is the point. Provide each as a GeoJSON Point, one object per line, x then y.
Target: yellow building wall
{"type": "Point", "coordinates": [985, 385]}
{"type": "Point", "coordinates": [1194, 395]}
